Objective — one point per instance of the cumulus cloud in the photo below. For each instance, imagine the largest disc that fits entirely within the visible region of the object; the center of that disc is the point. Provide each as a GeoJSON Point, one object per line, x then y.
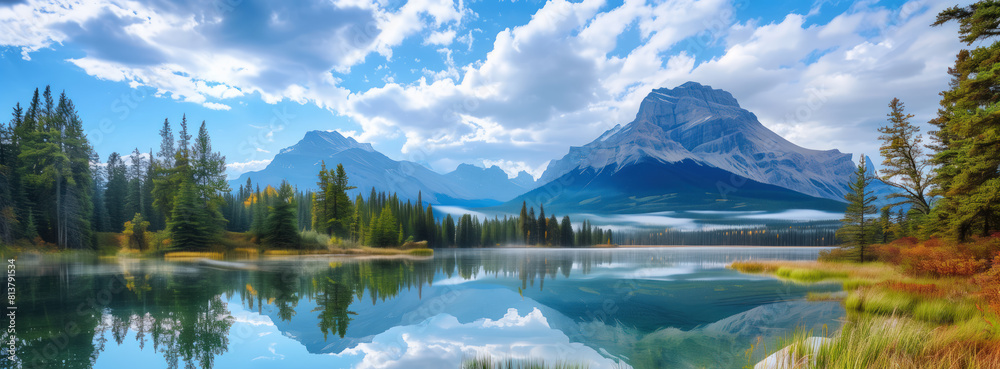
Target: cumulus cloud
{"type": "Point", "coordinates": [560, 79]}
{"type": "Point", "coordinates": [195, 51]}
{"type": "Point", "coordinates": [443, 342]}
{"type": "Point", "coordinates": [555, 81]}
{"type": "Point", "coordinates": [233, 170]}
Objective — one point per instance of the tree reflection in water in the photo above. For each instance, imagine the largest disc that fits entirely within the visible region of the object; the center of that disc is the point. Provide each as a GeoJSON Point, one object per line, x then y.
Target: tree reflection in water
{"type": "Point", "coordinates": [66, 316]}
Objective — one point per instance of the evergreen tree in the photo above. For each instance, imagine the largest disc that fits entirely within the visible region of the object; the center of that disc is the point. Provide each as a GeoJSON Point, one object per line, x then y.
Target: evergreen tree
{"type": "Point", "coordinates": [449, 231]}
{"type": "Point", "coordinates": [532, 227]}
{"type": "Point", "coordinates": [541, 227]}
{"type": "Point", "coordinates": [167, 149]}
{"type": "Point", "coordinates": [905, 164]}
{"type": "Point", "coordinates": [967, 154]}
{"type": "Point", "coordinates": [341, 212]}
{"type": "Point", "coordinates": [190, 226]}
{"type": "Point", "coordinates": [281, 230]}
{"type": "Point", "coordinates": [208, 169]}
{"type": "Point", "coordinates": [552, 233]}
{"type": "Point", "coordinates": [523, 222]}
{"type": "Point", "coordinates": [321, 207]}
{"type": "Point", "coordinates": [566, 228]}
{"type": "Point", "coordinates": [859, 230]}
{"type": "Point", "coordinates": [114, 196]}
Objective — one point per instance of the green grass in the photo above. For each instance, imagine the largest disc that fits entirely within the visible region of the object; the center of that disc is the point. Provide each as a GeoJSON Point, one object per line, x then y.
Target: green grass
{"type": "Point", "coordinates": [422, 252]}
{"type": "Point", "coordinates": [489, 362]}
{"type": "Point", "coordinates": [941, 311]}
{"type": "Point", "coordinates": [931, 309]}
{"type": "Point", "coordinates": [895, 320]}
{"type": "Point", "coordinates": [808, 275]}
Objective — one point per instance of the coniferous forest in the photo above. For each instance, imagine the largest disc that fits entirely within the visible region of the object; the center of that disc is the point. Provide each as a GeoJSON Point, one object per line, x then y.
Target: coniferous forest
{"type": "Point", "coordinates": [56, 191]}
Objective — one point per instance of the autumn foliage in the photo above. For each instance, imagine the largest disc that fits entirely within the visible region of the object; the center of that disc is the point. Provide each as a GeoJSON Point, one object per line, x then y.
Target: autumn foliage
{"type": "Point", "coordinates": [940, 258]}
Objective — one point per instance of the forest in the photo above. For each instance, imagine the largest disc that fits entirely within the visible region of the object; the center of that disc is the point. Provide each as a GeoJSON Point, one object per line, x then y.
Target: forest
{"type": "Point", "coordinates": [56, 193]}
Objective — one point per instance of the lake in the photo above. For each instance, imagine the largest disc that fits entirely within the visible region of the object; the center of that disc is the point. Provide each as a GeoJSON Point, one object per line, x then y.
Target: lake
{"type": "Point", "coordinates": [610, 308]}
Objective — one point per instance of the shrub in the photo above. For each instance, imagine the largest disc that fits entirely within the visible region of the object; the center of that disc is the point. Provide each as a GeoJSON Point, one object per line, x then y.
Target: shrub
{"type": "Point", "coordinates": [838, 254]}
{"type": "Point", "coordinates": [914, 288]}
{"type": "Point", "coordinates": [989, 283]}
{"type": "Point", "coordinates": [935, 258]}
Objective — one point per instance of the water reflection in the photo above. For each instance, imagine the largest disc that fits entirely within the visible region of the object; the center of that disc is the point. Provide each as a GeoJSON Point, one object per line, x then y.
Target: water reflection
{"type": "Point", "coordinates": [622, 302]}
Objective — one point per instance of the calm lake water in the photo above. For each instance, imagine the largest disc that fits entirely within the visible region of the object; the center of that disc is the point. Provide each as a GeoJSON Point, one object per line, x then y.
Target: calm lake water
{"type": "Point", "coordinates": [647, 308]}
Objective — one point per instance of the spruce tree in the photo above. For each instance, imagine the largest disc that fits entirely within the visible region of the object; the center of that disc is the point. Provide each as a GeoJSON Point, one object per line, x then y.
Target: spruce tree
{"type": "Point", "coordinates": [281, 230]}
{"type": "Point", "coordinates": [967, 153]}
{"type": "Point", "coordinates": [190, 226]}
{"type": "Point", "coordinates": [905, 165]}
{"type": "Point", "coordinates": [859, 229]}
{"type": "Point", "coordinates": [567, 232]}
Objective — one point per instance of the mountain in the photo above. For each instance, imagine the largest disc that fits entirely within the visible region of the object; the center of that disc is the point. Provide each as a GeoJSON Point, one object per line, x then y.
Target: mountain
{"type": "Point", "coordinates": [491, 182]}
{"type": "Point", "coordinates": [650, 185]}
{"type": "Point", "coordinates": [367, 168]}
{"type": "Point", "coordinates": [693, 148]}
{"type": "Point", "coordinates": [708, 126]}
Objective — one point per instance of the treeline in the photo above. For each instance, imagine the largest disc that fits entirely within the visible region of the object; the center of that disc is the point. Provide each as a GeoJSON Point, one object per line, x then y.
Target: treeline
{"type": "Point", "coordinates": [55, 190]}
{"type": "Point", "coordinates": [46, 185]}
{"type": "Point", "coordinates": [758, 236]}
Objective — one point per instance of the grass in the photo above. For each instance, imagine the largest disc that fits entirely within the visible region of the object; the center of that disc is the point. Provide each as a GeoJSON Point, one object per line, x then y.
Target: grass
{"type": "Point", "coordinates": [384, 251]}
{"type": "Point", "coordinates": [808, 275]}
{"type": "Point", "coordinates": [826, 296]}
{"type": "Point", "coordinates": [489, 362]}
{"type": "Point", "coordinates": [895, 320]}
{"type": "Point", "coordinates": [192, 254]}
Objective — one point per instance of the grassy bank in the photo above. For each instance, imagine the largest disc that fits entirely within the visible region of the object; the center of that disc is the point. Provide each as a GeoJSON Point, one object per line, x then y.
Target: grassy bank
{"type": "Point", "coordinates": [230, 245]}
{"type": "Point", "coordinates": [899, 316]}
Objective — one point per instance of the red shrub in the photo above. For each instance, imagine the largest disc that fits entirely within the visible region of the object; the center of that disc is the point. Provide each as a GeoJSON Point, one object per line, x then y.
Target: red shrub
{"type": "Point", "coordinates": [931, 258]}
{"type": "Point", "coordinates": [916, 288]}
{"type": "Point", "coordinates": [989, 283]}
{"type": "Point", "coordinates": [888, 253]}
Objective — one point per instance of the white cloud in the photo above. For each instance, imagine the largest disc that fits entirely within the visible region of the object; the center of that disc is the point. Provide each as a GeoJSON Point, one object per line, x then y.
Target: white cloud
{"type": "Point", "coordinates": [443, 342]}
{"type": "Point", "coordinates": [557, 80]}
{"type": "Point", "coordinates": [233, 170]}
{"type": "Point", "coordinates": [443, 38]}
{"type": "Point", "coordinates": [215, 106]}
{"type": "Point", "coordinates": [512, 168]}
{"type": "Point", "coordinates": [192, 50]}
{"type": "Point", "coordinates": [553, 81]}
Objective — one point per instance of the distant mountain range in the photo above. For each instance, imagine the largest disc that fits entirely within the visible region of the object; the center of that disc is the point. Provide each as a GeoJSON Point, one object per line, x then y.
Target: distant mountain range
{"type": "Point", "coordinates": [689, 148]}
{"type": "Point", "coordinates": [366, 168]}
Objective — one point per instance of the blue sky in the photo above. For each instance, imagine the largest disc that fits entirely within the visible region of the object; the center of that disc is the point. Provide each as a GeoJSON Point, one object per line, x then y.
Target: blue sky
{"type": "Point", "coordinates": [442, 83]}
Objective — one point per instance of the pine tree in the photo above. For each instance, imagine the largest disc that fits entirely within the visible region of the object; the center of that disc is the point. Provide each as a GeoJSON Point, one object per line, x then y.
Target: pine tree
{"type": "Point", "coordinates": [167, 149]}
{"type": "Point", "coordinates": [567, 232]}
{"type": "Point", "coordinates": [905, 165]}
{"type": "Point", "coordinates": [859, 230]}
{"type": "Point", "coordinates": [281, 230]}
{"type": "Point", "coordinates": [190, 225]}
{"type": "Point", "coordinates": [552, 233]}
{"type": "Point", "coordinates": [341, 204]}
{"type": "Point", "coordinates": [208, 169]}
{"type": "Point", "coordinates": [449, 230]}
{"type": "Point", "coordinates": [967, 154]}
{"type": "Point", "coordinates": [523, 222]}
{"type": "Point", "coordinates": [114, 196]}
